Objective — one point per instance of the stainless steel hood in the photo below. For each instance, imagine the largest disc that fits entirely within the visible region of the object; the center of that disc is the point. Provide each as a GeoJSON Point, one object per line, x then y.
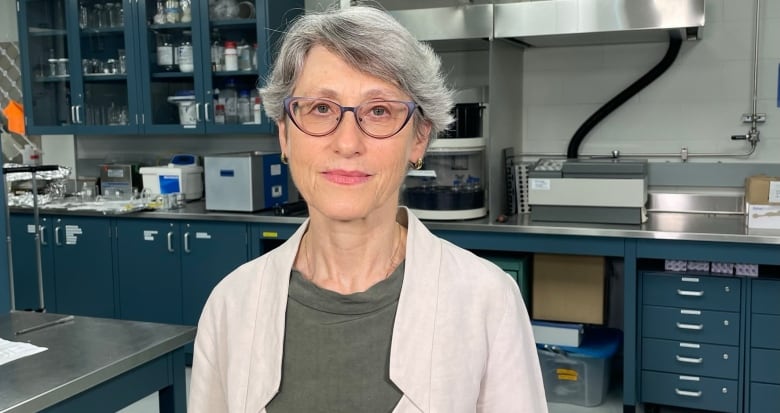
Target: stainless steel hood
{"type": "Point", "coordinates": [580, 22]}
{"type": "Point", "coordinates": [544, 23]}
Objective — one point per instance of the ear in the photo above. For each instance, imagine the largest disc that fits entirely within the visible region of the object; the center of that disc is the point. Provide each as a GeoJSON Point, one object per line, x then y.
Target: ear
{"type": "Point", "coordinates": [420, 144]}
{"type": "Point", "coordinates": [282, 127]}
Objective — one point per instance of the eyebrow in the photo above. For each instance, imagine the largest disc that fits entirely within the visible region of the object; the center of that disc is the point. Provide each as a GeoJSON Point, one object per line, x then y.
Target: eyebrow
{"type": "Point", "coordinates": [375, 93]}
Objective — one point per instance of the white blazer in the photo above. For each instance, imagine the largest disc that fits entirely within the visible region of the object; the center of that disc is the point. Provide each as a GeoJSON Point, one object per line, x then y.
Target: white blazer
{"type": "Point", "coordinates": [462, 339]}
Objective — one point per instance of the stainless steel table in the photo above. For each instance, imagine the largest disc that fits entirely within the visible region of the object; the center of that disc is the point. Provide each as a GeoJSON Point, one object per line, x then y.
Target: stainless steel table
{"type": "Point", "coordinates": [93, 364]}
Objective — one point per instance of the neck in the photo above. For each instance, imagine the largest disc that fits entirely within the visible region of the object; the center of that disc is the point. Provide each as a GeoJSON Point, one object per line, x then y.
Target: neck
{"type": "Point", "coordinates": [349, 264]}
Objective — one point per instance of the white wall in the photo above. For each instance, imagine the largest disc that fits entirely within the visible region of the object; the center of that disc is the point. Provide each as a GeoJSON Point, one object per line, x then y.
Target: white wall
{"type": "Point", "coordinates": [697, 103]}
{"type": "Point", "coordinates": [8, 31]}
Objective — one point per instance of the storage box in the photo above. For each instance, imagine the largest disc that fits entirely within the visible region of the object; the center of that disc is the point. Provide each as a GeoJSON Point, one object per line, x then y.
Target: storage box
{"type": "Point", "coordinates": [762, 190]}
{"type": "Point", "coordinates": [763, 216]}
{"type": "Point", "coordinates": [557, 334]}
{"type": "Point", "coordinates": [568, 288]}
{"type": "Point", "coordinates": [187, 179]}
{"type": "Point", "coordinates": [580, 375]}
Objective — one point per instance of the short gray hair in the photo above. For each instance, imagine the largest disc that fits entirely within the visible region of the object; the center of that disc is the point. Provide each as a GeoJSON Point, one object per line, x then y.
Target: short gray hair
{"type": "Point", "coordinates": [371, 41]}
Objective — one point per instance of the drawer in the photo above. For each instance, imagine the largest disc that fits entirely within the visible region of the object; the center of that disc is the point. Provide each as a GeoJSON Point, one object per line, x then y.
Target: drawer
{"type": "Point", "coordinates": [765, 365]}
{"type": "Point", "coordinates": [697, 326]}
{"type": "Point", "coordinates": [691, 291]}
{"type": "Point", "coordinates": [765, 297]}
{"type": "Point", "coordinates": [765, 331]}
{"type": "Point", "coordinates": [764, 397]}
{"type": "Point", "coordinates": [694, 359]}
{"type": "Point", "coordinates": [694, 392]}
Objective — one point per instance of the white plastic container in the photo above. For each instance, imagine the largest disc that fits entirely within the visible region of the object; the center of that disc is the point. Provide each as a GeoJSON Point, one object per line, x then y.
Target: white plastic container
{"type": "Point", "coordinates": [188, 110]}
{"type": "Point", "coordinates": [187, 179]}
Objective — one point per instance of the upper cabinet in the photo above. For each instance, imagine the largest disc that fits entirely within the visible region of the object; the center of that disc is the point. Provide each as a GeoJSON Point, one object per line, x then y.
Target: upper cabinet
{"type": "Point", "coordinates": [147, 66]}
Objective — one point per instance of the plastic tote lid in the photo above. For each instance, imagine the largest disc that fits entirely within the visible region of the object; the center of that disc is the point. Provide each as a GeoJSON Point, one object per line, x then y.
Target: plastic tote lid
{"type": "Point", "coordinates": [597, 342]}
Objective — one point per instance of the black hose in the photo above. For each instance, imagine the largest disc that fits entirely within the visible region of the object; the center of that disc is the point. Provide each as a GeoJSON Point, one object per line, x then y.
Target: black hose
{"type": "Point", "coordinates": [671, 54]}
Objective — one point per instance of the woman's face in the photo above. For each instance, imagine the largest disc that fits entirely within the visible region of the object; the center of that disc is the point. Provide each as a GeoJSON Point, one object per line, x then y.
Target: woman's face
{"type": "Point", "coordinates": [346, 175]}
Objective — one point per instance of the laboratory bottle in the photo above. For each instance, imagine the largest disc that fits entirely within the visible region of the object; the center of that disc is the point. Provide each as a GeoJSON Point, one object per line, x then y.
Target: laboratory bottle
{"type": "Point", "coordinates": [231, 56]}
{"type": "Point", "coordinates": [186, 63]}
{"type": "Point", "coordinates": [244, 56]}
{"type": "Point", "coordinates": [219, 113]}
{"type": "Point", "coordinates": [165, 52]}
{"type": "Point", "coordinates": [254, 56]}
{"type": "Point", "coordinates": [217, 52]}
{"type": "Point", "coordinates": [230, 95]}
{"type": "Point", "coordinates": [257, 110]}
{"type": "Point", "coordinates": [244, 108]}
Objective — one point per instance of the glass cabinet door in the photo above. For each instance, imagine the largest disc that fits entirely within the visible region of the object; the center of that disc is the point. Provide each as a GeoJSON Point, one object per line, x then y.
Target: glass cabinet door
{"type": "Point", "coordinates": [104, 88]}
{"type": "Point", "coordinates": [231, 30]}
{"type": "Point", "coordinates": [169, 39]}
{"type": "Point", "coordinates": [45, 57]}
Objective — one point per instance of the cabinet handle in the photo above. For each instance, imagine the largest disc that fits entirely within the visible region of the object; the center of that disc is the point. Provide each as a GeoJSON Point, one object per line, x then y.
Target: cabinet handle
{"type": "Point", "coordinates": [687, 393]}
{"type": "Point", "coordinates": [72, 114]}
{"type": "Point", "coordinates": [78, 114]}
{"type": "Point", "coordinates": [689, 326]}
{"type": "Point", "coordinates": [206, 111]}
{"type": "Point", "coordinates": [689, 359]}
{"type": "Point", "coordinates": [57, 235]}
{"type": "Point", "coordinates": [690, 293]}
{"type": "Point", "coordinates": [197, 112]}
{"type": "Point", "coordinates": [170, 241]}
{"type": "Point", "coordinates": [187, 242]}
{"type": "Point", "coordinates": [136, 119]}
{"type": "Point", "coordinates": [42, 235]}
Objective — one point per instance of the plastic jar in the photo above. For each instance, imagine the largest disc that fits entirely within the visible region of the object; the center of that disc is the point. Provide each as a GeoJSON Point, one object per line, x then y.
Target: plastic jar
{"type": "Point", "coordinates": [244, 57]}
{"type": "Point", "coordinates": [231, 56]}
{"type": "Point", "coordinates": [62, 66]}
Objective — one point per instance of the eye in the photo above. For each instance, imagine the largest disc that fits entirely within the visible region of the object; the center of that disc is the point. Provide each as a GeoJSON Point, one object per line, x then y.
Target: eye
{"type": "Point", "coordinates": [322, 108]}
{"type": "Point", "coordinates": [379, 110]}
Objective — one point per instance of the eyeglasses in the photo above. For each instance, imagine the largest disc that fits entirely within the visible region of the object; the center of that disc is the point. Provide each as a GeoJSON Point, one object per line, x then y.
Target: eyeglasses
{"type": "Point", "coordinates": [378, 119]}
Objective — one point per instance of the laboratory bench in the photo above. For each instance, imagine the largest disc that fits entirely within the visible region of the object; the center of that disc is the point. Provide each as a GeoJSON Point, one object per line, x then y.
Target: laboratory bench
{"type": "Point", "coordinates": [103, 265]}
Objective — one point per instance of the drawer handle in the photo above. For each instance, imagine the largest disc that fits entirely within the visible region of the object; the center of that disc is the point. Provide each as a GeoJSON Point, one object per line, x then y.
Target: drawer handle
{"type": "Point", "coordinates": [687, 393]}
{"type": "Point", "coordinates": [688, 293]}
{"type": "Point", "coordinates": [689, 359]}
{"type": "Point", "coordinates": [685, 326]}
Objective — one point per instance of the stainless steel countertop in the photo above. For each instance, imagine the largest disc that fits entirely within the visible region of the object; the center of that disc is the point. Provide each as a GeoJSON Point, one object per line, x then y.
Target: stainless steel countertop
{"type": "Point", "coordinates": [660, 225]}
{"type": "Point", "coordinates": [81, 354]}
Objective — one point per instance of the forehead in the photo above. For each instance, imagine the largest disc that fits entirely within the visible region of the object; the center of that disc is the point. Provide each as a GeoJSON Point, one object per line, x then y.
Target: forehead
{"type": "Point", "coordinates": [325, 74]}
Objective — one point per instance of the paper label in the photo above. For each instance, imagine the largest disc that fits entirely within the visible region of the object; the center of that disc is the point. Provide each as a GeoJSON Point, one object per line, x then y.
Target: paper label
{"type": "Point", "coordinates": [774, 191]}
{"type": "Point", "coordinates": [539, 184]}
{"type": "Point", "coordinates": [149, 235]}
{"type": "Point", "coordinates": [202, 235]}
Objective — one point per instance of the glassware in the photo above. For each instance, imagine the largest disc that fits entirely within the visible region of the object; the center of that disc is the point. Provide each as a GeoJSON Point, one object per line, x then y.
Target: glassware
{"type": "Point", "coordinates": [83, 16]}
{"type": "Point", "coordinates": [62, 66]}
{"type": "Point", "coordinates": [244, 57]}
{"type": "Point", "coordinates": [159, 17]}
{"type": "Point", "coordinates": [172, 11]}
{"type": "Point", "coordinates": [112, 67]}
{"type": "Point", "coordinates": [217, 52]}
{"type": "Point", "coordinates": [52, 63]}
{"type": "Point", "coordinates": [244, 108]}
{"type": "Point", "coordinates": [116, 15]}
{"type": "Point", "coordinates": [101, 19]}
{"type": "Point", "coordinates": [186, 11]}
{"type": "Point", "coordinates": [122, 59]}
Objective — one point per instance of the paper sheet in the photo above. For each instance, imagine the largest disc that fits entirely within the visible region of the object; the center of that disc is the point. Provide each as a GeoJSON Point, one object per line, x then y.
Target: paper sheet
{"type": "Point", "coordinates": [13, 350]}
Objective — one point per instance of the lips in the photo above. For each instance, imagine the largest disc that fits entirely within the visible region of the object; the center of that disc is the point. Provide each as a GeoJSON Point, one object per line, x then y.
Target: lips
{"type": "Point", "coordinates": [346, 177]}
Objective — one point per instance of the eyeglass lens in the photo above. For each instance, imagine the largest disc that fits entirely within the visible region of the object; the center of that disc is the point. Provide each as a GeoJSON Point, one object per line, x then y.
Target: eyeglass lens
{"type": "Point", "coordinates": [319, 117]}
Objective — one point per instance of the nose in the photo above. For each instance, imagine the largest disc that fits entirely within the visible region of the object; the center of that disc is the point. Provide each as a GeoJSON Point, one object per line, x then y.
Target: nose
{"type": "Point", "coordinates": [348, 138]}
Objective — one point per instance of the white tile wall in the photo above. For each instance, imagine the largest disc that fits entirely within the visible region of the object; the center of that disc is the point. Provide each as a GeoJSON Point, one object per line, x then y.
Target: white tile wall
{"type": "Point", "coordinates": [697, 103]}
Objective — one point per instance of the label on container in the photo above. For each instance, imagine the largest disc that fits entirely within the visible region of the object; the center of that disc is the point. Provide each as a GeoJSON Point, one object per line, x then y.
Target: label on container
{"type": "Point", "coordinates": [169, 184]}
{"type": "Point", "coordinates": [202, 235]}
{"type": "Point", "coordinates": [539, 184]}
{"type": "Point", "coordinates": [567, 374]}
{"type": "Point", "coordinates": [774, 191]}
{"type": "Point", "coordinates": [149, 235]}
{"type": "Point", "coordinates": [71, 234]}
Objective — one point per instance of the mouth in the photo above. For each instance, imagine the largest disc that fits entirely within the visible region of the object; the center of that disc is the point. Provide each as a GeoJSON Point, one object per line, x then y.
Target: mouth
{"type": "Point", "coordinates": [343, 177]}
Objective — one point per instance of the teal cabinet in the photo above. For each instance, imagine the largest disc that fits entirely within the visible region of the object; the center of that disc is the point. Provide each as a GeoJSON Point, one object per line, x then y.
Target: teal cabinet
{"type": "Point", "coordinates": [95, 67]}
{"type": "Point", "coordinates": [76, 262]}
{"type": "Point", "coordinates": [76, 79]}
{"type": "Point", "coordinates": [166, 269]}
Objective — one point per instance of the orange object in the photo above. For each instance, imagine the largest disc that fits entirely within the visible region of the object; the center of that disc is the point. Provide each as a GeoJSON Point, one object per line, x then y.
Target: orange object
{"type": "Point", "coordinates": [15, 114]}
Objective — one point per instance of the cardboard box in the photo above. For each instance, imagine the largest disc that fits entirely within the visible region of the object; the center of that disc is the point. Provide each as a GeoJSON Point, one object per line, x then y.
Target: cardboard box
{"type": "Point", "coordinates": [569, 288]}
{"type": "Point", "coordinates": [762, 190]}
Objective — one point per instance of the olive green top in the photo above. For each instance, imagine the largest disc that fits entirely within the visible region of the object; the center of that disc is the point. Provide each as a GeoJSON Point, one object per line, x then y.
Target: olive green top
{"type": "Point", "coordinates": [337, 349]}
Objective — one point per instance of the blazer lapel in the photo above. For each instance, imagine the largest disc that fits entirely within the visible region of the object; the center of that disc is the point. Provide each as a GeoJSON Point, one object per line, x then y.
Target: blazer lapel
{"type": "Point", "coordinates": [412, 344]}
{"type": "Point", "coordinates": [265, 362]}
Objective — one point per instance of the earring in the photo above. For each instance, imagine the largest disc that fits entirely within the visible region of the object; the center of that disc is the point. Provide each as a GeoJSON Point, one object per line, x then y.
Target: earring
{"type": "Point", "coordinates": [417, 165]}
{"type": "Point", "coordinates": [283, 158]}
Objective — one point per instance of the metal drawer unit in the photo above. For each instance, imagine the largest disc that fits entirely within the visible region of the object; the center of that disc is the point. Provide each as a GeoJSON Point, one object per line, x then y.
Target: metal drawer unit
{"type": "Point", "coordinates": [764, 375]}
{"type": "Point", "coordinates": [691, 330]}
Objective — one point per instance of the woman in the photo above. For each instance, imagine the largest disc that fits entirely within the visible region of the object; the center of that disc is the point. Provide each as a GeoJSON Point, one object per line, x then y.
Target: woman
{"type": "Point", "coordinates": [362, 309]}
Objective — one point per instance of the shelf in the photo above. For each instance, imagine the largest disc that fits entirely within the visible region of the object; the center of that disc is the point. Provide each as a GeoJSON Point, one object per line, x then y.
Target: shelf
{"type": "Point", "coordinates": [98, 77]}
{"type": "Point", "coordinates": [233, 23]}
{"type": "Point", "coordinates": [231, 73]}
{"type": "Point", "coordinates": [42, 32]}
{"type": "Point", "coordinates": [171, 26]}
{"type": "Point", "coordinates": [104, 30]}
{"type": "Point", "coordinates": [169, 75]}
{"type": "Point", "coordinates": [52, 79]}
